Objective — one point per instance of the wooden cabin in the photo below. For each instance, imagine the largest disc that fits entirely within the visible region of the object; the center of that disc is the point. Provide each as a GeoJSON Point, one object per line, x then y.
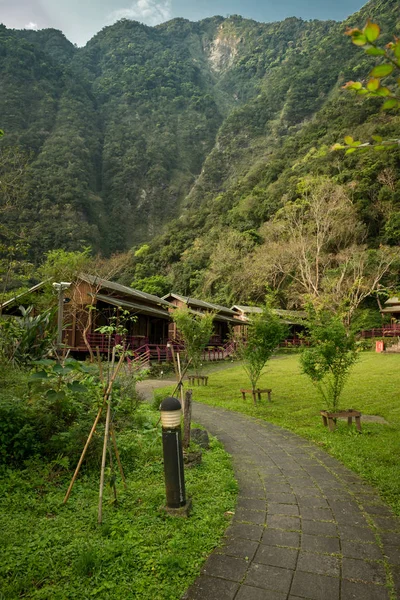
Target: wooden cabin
{"type": "Point", "coordinates": [224, 320]}
{"type": "Point", "coordinates": [93, 302]}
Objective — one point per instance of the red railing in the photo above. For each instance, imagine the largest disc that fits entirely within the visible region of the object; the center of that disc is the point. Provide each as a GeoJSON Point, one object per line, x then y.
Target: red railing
{"type": "Point", "coordinates": [385, 331]}
{"type": "Point", "coordinates": [103, 342]}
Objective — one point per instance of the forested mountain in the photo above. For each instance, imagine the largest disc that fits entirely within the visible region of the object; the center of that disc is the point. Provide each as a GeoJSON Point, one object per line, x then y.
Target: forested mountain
{"type": "Point", "coordinates": [183, 140]}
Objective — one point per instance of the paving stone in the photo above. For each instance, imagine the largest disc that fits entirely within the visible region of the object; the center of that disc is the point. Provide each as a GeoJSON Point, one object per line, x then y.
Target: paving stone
{"type": "Point", "coordinates": [252, 593]}
{"type": "Point", "coordinates": [361, 550]}
{"type": "Point", "coordinates": [252, 503]}
{"type": "Point", "coordinates": [246, 531]}
{"type": "Point", "coordinates": [363, 591]}
{"type": "Point", "coordinates": [361, 570]}
{"type": "Point", "coordinates": [307, 492]}
{"type": "Point", "coordinates": [355, 519]}
{"type": "Point", "coordinates": [277, 488]}
{"type": "Point", "coordinates": [239, 548]}
{"type": "Point", "coordinates": [319, 528]}
{"type": "Point", "coordinates": [316, 514]}
{"type": "Point", "coordinates": [249, 516]}
{"type": "Point", "coordinates": [283, 522]}
{"type": "Point", "coordinates": [349, 532]}
{"type": "Point", "coordinates": [393, 554]}
{"type": "Point", "coordinates": [315, 587]}
{"type": "Point", "coordinates": [312, 501]}
{"type": "Point", "coordinates": [317, 563]}
{"type": "Point", "coordinates": [276, 537]}
{"type": "Point", "coordinates": [281, 498]}
{"type": "Point", "coordinates": [227, 567]}
{"type": "Point", "coordinates": [277, 557]}
{"type": "Point", "coordinates": [386, 524]}
{"type": "Point", "coordinates": [253, 492]}
{"type": "Point", "coordinates": [269, 578]}
{"type": "Point", "coordinates": [315, 543]}
{"type": "Point", "coordinates": [378, 509]}
{"type": "Point", "coordinates": [304, 480]}
{"type": "Point", "coordinates": [393, 539]}
{"type": "Point", "coordinates": [282, 509]}
{"type": "Point", "coordinates": [396, 579]}
{"type": "Point", "coordinates": [211, 588]}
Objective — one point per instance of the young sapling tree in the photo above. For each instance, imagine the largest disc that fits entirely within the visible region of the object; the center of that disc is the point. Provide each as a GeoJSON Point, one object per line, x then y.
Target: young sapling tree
{"type": "Point", "coordinates": [265, 332]}
{"type": "Point", "coordinates": [195, 331]}
{"type": "Point", "coordinates": [329, 358]}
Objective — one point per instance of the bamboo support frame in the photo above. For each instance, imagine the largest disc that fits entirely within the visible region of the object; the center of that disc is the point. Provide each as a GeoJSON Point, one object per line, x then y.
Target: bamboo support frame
{"type": "Point", "coordinates": [96, 421]}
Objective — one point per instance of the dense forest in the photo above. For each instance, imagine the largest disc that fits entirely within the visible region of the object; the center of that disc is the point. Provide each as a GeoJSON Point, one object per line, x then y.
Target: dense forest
{"type": "Point", "coordinates": [187, 145]}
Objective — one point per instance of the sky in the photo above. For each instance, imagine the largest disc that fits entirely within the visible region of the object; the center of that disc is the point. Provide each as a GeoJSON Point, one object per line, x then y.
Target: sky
{"type": "Point", "coordinates": [81, 19]}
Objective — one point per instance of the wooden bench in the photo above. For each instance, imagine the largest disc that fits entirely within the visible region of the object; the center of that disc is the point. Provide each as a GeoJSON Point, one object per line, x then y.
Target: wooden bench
{"type": "Point", "coordinates": [329, 418]}
{"type": "Point", "coordinates": [257, 393]}
{"type": "Point", "coordinates": [201, 379]}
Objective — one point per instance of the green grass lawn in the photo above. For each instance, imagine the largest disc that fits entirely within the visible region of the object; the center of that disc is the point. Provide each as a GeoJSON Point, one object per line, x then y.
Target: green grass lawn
{"type": "Point", "coordinates": [373, 388]}
{"type": "Point", "coordinates": [57, 552]}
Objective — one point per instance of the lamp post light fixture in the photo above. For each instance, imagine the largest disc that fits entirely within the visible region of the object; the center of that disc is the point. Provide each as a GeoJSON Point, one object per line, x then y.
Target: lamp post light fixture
{"type": "Point", "coordinates": [171, 414]}
{"type": "Point", "coordinates": [60, 289]}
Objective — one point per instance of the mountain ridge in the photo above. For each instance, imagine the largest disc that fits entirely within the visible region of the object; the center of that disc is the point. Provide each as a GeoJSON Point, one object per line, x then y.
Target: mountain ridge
{"type": "Point", "coordinates": [144, 125]}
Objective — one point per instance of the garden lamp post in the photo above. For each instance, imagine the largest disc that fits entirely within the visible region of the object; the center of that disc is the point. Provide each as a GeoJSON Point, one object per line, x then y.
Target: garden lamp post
{"type": "Point", "coordinates": [171, 413]}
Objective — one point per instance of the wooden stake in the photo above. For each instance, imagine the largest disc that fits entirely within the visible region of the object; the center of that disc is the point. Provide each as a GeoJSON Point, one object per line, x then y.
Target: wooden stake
{"type": "Point", "coordinates": [114, 441]}
{"type": "Point", "coordinates": [180, 382]}
{"type": "Point", "coordinates": [103, 462]}
{"type": "Point", "coordinates": [71, 485]}
{"type": "Point", "coordinates": [181, 378]}
{"type": "Point", "coordinates": [100, 364]}
{"type": "Point", "coordinates": [112, 474]}
{"type": "Point", "coordinates": [187, 419]}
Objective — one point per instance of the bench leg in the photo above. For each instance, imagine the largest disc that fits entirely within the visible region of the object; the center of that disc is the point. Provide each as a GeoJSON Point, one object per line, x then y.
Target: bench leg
{"type": "Point", "coordinates": [331, 424]}
{"type": "Point", "coordinates": [254, 397]}
{"type": "Point", "coordinates": [244, 395]}
{"type": "Point", "coordinates": [269, 396]}
{"type": "Point", "coordinates": [259, 395]}
{"type": "Point", "coordinates": [349, 421]}
{"type": "Point", "coordinates": [325, 421]}
{"type": "Point", "coordinates": [358, 423]}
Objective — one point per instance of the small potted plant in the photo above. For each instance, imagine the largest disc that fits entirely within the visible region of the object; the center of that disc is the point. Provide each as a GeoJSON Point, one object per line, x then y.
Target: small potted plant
{"type": "Point", "coordinates": [327, 361]}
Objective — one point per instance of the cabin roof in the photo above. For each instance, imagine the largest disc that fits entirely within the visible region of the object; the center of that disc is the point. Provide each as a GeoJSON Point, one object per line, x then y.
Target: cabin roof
{"type": "Point", "coordinates": [140, 308]}
{"type": "Point", "coordinates": [391, 309]}
{"type": "Point", "coordinates": [246, 309]}
{"type": "Point", "coordinates": [200, 303]}
{"type": "Point", "coordinates": [291, 317]}
{"type": "Point", "coordinates": [123, 289]}
{"type": "Point", "coordinates": [393, 301]}
{"type": "Point", "coordinates": [34, 288]}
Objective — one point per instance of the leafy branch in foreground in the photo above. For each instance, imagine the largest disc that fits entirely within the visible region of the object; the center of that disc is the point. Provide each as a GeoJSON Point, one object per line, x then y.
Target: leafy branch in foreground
{"type": "Point", "coordinates": [373, 88]}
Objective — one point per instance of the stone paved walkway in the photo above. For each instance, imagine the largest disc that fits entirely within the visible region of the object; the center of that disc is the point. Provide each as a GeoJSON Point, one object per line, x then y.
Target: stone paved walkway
{"type": "Point", "coordinates": [305, 527]}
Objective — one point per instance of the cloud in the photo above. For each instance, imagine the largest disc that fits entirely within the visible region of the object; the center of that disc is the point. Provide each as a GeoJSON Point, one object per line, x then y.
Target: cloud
{"type": "Point", "coordinates": [150, 12]}
{"type": "Point", "coordinates": [31, 25]}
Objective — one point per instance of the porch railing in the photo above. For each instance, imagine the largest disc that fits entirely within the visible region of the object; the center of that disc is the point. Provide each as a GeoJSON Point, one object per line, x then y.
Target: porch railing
{"type": "Point", "coordinates": [385, 331]}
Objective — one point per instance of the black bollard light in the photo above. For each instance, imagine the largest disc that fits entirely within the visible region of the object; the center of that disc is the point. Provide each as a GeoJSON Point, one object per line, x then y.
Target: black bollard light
{"type": "Point", "coordinates": [171, 413]}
